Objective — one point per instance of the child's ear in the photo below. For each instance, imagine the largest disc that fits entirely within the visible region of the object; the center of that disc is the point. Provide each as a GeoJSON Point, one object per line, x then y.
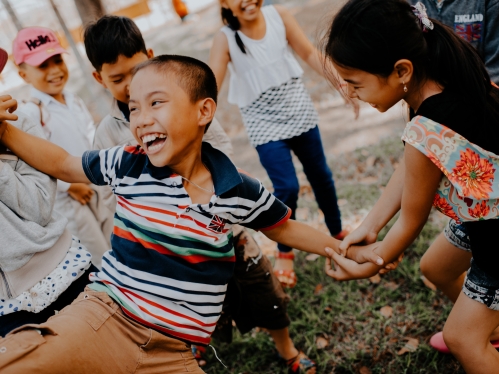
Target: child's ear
{"type": "Point", "coordinates": [150, 53]}
{"type": "Point", "coordinates": [207, 108]}
{"type": "Point", "coordinates": [23, 75]}
{"type": "Point", "coordinates": [98, 78]}
{"type": "Point", "coordinates": [404, 70]}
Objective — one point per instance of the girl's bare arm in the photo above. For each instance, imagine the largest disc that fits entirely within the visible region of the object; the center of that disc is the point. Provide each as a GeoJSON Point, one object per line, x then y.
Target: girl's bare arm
{"type": "Point", "coordinates": [383, 211]}
{"type": "Point", "coordinates": [219, 57]}
{"type": "Point", "coordinates": [308, 53]}
{"type": "Point", "coordinates": [421, 180]}
{"type": "Point", "coordinates": [299, 41]}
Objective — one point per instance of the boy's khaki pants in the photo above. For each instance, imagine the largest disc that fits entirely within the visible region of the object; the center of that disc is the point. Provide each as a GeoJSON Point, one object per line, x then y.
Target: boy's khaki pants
{"type": "Point", "coordinates": [93, 336]}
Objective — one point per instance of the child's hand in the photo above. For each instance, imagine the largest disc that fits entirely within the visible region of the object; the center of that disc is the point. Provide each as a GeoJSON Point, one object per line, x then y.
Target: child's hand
{"type": "Point", "coordinates": [363, 254]}
{"type": "Point", "coordinates": [8, 105]}
{"type": "Point", "coordinates": [346, 269]}
{"type": "Point", "coordinates": [81, 192]}
{"type": "Point", "coordinates": [392, 265]}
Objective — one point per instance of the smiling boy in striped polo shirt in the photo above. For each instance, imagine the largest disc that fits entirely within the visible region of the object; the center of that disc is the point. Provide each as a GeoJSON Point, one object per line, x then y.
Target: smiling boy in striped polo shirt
{"type": "Point", "coordinates": [163, 283]}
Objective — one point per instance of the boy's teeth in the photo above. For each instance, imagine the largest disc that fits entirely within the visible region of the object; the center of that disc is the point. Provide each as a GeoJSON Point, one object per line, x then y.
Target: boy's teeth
{"type": "Point", "coordinates": [151, 137]}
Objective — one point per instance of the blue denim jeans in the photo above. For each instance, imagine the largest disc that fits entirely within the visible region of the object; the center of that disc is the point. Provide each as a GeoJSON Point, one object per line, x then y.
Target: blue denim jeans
{"type": "Point", "coordinates": [276, 159]}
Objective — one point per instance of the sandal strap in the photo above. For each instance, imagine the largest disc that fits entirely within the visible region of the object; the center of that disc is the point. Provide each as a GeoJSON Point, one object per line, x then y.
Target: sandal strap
{"type": "Point", "coordinates": [286, 255]}
{"type": "Point", "coordinates": [300, 364]}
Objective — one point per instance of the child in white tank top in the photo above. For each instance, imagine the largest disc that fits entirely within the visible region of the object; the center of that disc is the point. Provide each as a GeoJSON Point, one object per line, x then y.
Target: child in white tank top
{"type": "Point", "coordinates": [277, 110]}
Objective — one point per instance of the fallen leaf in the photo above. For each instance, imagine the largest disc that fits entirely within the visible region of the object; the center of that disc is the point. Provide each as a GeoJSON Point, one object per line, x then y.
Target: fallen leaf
{"type": "Point", "coordinates": [375, 279]}
{"type": "Point", "coordinates": [386, 311]}
{"type": "Point", "coordinates": [388, 330]}
{"type": "Point", "coordinates": [411, 346]}
{"type": "Point", "coordinates": [321, 342]}
{"type": "Point", "coordinates": [428, 284]}
{"type": "Point", "coordinates": [312, 257]}
{"type": "Point", "coordinates": [392, 286]}
{"type": "Point", "coordinates": [318, 289]}
{"type": "Point", "coordinates": [365, 370]}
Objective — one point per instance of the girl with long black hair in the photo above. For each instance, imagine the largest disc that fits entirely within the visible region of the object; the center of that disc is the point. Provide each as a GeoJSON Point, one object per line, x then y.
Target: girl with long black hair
{"type": "Point", "coordinates": [388, 51]}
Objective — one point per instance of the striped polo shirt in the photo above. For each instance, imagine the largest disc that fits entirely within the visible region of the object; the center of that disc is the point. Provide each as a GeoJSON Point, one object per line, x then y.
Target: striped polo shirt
{"type": "Point", "coordinates": [171, 259]}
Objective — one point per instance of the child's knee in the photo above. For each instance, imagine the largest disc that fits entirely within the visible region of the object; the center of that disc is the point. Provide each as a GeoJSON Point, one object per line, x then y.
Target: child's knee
{"type": "Point", "coordinates": [429, 270]}
{"type": "Point", "coordinates": [455, 340]}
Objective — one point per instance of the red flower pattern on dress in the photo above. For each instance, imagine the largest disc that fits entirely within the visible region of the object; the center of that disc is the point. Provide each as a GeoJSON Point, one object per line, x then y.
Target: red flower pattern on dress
{"type": "Point", "coordinates": [480, 211]}
{"type": "Point", "coordinates": [473, 174]}
{"type": "Point", "coordinates": [444, 207]}
{"type": "Point", "coordinates": [436, 161]}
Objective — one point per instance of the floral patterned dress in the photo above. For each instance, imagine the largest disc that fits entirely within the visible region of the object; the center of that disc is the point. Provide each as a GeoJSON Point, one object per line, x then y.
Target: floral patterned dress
{"type": "Point", "coordinates": [469, 189]}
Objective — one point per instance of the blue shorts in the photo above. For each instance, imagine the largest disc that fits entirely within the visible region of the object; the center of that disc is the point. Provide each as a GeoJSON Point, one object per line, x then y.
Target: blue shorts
{"type": "Point", "coordinates": [478, 285]}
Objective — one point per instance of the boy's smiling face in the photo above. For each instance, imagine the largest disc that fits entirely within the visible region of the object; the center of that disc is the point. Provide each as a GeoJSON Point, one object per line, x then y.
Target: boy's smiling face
{"type": "Point", "coordinates": [164, 120]}
{"type": "Point", "coordinates": [49, 77]}
{"type": "Point", "coordinates": [117, 77]}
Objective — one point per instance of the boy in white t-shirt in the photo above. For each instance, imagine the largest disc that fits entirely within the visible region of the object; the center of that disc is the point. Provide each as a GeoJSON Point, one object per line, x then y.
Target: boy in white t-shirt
{"type": "Point", "coordinates": [66, 122]}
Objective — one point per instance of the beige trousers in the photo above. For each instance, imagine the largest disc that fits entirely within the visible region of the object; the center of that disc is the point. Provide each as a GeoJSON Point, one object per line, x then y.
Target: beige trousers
{"type": "Point", "coordinates": [92, 336]}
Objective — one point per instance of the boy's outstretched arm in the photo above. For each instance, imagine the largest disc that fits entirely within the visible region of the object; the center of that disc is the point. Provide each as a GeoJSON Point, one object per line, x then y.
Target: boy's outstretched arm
{"type": "Point", "coordinates": [43, 155]}
{"type": "Point", "coordinates": [303, 237]}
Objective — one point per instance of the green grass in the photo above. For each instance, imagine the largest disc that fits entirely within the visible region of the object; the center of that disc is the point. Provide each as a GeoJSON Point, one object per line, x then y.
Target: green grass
{"type": "Point", "coordinates": [348, 314]}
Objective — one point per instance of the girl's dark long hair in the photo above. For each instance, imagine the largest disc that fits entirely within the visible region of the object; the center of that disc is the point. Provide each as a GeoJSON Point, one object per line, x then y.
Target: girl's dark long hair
{"type": "Point", "coordinates": [371, 35]}
{"type": "Point", "coordinates": [230, 20]}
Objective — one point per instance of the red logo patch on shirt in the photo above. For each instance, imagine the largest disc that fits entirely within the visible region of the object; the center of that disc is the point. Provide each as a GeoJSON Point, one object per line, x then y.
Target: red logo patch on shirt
{"type": "Point", "coordinates": [217, 224]}
{"type": "Point", "coordinates": [471, 32]}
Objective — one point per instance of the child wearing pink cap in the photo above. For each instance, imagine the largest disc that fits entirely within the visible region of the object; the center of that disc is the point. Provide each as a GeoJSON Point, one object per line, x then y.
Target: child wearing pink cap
{"type": "Point", "coordinates": [67, 123]}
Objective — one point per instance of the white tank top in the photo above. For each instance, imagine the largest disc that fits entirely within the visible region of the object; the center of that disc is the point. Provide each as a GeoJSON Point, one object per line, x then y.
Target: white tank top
{"type": "Point", "coordinates": [267, 63]}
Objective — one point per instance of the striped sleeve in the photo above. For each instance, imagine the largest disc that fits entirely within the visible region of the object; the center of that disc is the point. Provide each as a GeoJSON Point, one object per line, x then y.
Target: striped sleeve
{"type": "Point", "coordinates": [102, 166]}
{"type": "Point", "coordinates": [266, 211]}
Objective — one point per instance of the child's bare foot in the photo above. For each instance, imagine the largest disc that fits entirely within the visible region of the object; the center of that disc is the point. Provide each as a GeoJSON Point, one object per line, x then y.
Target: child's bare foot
{"type": "Point", "coordinates": [284, 269]}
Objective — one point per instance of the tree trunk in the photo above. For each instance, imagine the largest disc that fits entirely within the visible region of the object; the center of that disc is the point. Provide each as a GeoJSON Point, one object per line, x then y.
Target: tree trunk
{"type": "Point", "coordinates": [89, 10]}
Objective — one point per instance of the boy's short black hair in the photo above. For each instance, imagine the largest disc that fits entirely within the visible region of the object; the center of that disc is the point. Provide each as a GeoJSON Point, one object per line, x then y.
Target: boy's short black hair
{"type": "Point", "coordinates": [111, 36]}
{"type": "Point", "coordinates": [195, 77]}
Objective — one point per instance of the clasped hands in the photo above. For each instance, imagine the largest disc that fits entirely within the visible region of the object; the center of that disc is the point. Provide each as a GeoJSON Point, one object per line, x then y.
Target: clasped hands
{"type": "Point", "coordinates": [358, 258]}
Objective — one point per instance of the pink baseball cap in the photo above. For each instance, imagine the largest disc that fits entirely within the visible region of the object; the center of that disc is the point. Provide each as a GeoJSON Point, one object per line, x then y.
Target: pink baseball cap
{"type": "Point", "coordinates": [4, 56]}
{"type": "Point", "coordinates": [34, 45]}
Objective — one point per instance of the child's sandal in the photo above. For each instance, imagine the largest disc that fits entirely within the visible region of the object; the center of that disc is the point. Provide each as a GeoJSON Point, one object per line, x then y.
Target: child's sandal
{"type": "Point", "coordinates": [287, 278]}
{"type": "Point", "coordinates": [198, 352]}
{"type": "Point", "coordinates": [301, 364]}
{"type": "Point", "coordinates": [438, 343]}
